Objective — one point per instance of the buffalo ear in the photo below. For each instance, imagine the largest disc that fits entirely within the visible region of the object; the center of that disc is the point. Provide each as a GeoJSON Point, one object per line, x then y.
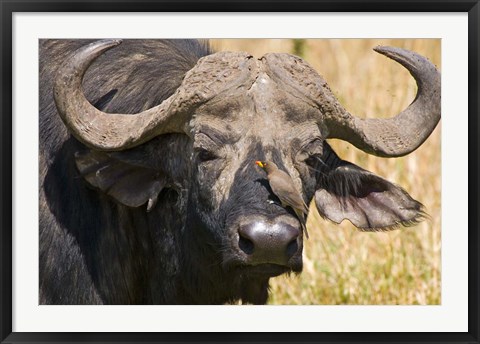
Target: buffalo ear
{"type": "Point", "coordinates": [128, 184]}
{"type": "Point", "coordinates": [346, 191]}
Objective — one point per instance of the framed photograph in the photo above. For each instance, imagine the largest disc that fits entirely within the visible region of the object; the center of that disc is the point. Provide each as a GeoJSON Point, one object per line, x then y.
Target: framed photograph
{"type": "Point", "coordinates": [229, 173]}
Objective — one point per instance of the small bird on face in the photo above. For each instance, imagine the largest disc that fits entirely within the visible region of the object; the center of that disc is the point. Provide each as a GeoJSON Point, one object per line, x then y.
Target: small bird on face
{"type": "Point", "coordinates": [282, 186]}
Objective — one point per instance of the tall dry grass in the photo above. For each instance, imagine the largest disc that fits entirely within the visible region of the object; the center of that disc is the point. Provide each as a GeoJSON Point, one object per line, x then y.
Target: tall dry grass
{"type": "Point", "coordinates": [341, 264]}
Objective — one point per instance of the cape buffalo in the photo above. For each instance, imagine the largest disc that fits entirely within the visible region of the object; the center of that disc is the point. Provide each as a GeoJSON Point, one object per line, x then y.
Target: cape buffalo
{"type": "Point", "coordinates": [149, 192]}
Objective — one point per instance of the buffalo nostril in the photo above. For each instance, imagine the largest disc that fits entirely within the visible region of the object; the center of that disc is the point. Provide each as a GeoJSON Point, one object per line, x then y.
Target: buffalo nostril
{"type": "Point", "coordinates": [246, 245]}
{"type": "Point", "coordinates": [292, 247]}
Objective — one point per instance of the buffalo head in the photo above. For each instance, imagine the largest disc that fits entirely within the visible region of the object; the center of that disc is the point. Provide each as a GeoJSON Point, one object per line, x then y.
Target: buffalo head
{"type": "Point", "coordinates": [231, 110]}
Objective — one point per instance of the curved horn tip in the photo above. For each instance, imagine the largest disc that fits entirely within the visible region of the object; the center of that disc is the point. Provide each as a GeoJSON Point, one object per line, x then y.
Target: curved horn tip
{"type": "Point", "coordinates": [86, 54]}
{"type": "Point", "coordinates": [403, 56]}
{"type": "Point", "coordinates": [116, 41]}
{"type": "Point", "coordinates": [391, 52]}
{"type": "Point", "coordinates": [382, 48]}
{"type": "Point", "coordinates": [386, 49]}
{"type": "Point", "coordinates": [107, 42]}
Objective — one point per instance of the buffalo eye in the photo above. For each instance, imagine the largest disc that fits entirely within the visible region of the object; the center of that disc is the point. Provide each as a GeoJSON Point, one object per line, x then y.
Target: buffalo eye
{"type": "Point", "coordinates": [205, 155]}
{"type": "Point", "coordinates": [311, 152]}
{"type": "Point", "coordinates": [312, 160]}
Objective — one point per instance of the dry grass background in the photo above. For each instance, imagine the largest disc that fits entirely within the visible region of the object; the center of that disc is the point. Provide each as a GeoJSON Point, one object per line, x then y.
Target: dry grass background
{"type": "Point", "coordinates": [341, 264]}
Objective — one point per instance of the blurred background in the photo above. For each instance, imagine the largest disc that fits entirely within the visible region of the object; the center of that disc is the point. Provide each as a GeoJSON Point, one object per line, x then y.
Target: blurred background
{"type": "Point", "coordinates": [341, 264]}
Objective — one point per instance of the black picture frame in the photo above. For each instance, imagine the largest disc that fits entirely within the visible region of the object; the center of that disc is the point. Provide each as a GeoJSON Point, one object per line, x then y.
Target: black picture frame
{"type": "Point", "coordinates": [9, 7]}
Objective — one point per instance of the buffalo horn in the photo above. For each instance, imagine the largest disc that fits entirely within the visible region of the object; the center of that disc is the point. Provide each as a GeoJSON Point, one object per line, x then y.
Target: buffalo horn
{"type": "Point", "coordinates": [100, 130]}
{"type": "Point", "coordinates": [406, 131]}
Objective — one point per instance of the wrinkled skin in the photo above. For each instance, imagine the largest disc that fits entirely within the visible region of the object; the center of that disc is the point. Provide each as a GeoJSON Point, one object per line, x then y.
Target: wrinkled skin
{"type": "Point", "coordinates": [184, 217]}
